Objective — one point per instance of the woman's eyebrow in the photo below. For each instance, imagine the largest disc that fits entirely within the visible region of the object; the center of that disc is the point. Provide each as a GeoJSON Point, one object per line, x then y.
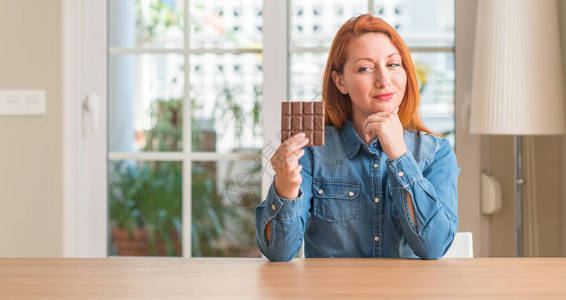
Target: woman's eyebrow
{"type": "Point", "coordinates": [370, 59]}
{"type": "Point", "coordinates": [363, 58]}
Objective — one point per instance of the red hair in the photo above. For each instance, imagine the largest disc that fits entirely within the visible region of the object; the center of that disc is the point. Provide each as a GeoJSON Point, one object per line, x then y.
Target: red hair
{"type": "Point", "coordinates": [338, 107]}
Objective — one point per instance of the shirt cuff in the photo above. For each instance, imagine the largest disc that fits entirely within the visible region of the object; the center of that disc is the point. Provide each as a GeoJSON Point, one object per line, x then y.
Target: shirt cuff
{"type": "Point", "coordinates": [283, 208]}
{"type": "Point", "coordinates": [405, 169]}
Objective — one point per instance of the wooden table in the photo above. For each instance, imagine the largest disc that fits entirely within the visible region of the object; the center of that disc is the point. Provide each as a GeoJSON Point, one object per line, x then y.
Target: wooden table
{"type": "Point", "coordinates": [229, 278]}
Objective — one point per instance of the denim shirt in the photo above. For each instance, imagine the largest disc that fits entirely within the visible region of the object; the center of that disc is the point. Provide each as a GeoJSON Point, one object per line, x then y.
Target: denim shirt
{"type": "Point", "coordinates": [352, 201]}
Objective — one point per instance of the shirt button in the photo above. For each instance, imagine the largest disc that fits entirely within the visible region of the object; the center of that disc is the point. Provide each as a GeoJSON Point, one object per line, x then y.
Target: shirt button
{"type": "Point", "coordinates": [376, 238]}
{"type": "Point", "coordinates": [375, 166]}
{"type": "Point", "coordinates": [351, 194]}
{"type": "Point", "coordinates": [273, 206]}
{"type": "Point", "coordinates": [320, 191]}
{"type": "Point", "coordinates": [400, 173]}
{"type": "Point", "coordinates": [376, 200]}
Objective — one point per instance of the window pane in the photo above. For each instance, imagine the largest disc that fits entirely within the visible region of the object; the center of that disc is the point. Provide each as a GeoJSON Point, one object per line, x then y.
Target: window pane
{"type": "Point", "coordinates": [224, 196]}
{"type": "Point", "coordinates": [144, 196]}
{"type": "Point", "coordinates": [314, 23]}
{"type": "Point", "coordinates": [145, 102]}
{"type": "Point", "coordinates": [146, 23]}
{"type": "Point", "coordinates": [435, 72]}
{"type": "Point", "coordinates": [420, 23]}
{"type": "Point", "coordinates": [226, 95]}
{"type": "Point", "coordinates": [307, 70]}
{"type": "Point", "coordinates": [226, 24]}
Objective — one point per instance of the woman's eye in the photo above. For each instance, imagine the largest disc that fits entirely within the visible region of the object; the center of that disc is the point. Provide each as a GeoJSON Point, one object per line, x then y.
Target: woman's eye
{"type": "Point", "coordinates": [394, 65]}
{"type": "Point", "coordinates": [364, 69]}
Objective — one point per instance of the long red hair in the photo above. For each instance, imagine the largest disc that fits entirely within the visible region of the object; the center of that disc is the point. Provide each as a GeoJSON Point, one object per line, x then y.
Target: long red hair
{"type": "Point", "coordinates": [338, 107]}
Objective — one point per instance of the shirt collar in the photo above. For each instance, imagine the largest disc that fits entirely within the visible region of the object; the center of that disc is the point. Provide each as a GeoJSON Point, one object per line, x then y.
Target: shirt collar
{"type": "Point", "coordinates": [351, 140]}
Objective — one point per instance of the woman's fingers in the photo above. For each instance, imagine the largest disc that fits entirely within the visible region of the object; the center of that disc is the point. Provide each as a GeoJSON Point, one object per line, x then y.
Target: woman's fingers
{"type": "Point", "coordinates": [296, 142]}
{"type": "Point", "coordinates": [293, 156]}
{"type": "Point", "coordinates": [374, 123]}
{"type": "Point", "coordinates": [295, 175]}
{"type": "Point", "coordinates": [292, 160]}
{"type": "Point", "coordinates": [286, 158]}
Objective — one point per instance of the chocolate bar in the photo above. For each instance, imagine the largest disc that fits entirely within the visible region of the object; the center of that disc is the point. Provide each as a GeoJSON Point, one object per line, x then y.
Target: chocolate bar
{"type": "Point", "coordinates": [307, 117]}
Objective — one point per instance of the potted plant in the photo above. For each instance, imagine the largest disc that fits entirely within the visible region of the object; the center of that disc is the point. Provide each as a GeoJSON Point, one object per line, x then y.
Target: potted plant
{"type": "Point", "coordinates": [144, 209]}
{"type": "Point", "coordinates": [145, 206]}
{"type": "Point", "coordinates": [145, 198]}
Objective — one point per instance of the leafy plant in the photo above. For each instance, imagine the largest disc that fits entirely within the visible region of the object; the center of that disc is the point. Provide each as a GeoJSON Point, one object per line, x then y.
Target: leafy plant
{"type": "Point", "coordinates": [230, 111]}
{"type": "Point", "coordinates": [149, 195]}
{"type": "Point", "coordinates": [208, 212]}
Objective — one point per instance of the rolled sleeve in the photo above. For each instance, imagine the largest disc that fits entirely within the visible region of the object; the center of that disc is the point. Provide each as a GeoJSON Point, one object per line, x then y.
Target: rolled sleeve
{"type": "Point", "coordinates": [283, 208]}
{"type": "Point", "coordinates": [434, 200]}
{"type": "Point", "coordinates": [288, 218]}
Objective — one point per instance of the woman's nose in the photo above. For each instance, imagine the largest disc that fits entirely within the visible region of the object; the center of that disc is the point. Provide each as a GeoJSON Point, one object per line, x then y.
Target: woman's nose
{"type": "Point", "coordinates": [382, 79]}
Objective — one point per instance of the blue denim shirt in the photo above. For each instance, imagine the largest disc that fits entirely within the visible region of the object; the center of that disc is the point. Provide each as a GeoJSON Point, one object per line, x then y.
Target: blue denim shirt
{"type": "Point", "coordinates": [352, 201]}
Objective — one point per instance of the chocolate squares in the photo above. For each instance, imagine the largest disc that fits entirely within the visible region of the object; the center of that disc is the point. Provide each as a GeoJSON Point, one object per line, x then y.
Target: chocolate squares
{"type": "Point", "coordinates": [307, 117]}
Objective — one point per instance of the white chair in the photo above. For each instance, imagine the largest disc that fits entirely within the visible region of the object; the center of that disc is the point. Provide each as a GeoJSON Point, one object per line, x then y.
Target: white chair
{"type": "Point", "coordinates": [462, 247]}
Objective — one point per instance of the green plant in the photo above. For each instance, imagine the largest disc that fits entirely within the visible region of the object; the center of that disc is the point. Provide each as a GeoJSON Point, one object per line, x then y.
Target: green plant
{"type": "Point", "coordinates": [149, 195]}
{"type": "Point", "coordinates": [214, 210]}
{"type": "Point", "coordinates": [208, 212]}
{"type": "Point", "coordinates": [230, 111]}
{"type": "Point", "coordinates": [167, 131]}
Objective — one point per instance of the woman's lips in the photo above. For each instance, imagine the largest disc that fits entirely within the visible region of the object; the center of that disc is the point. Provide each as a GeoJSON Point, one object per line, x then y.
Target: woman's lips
{"type": "Point", "coordinates": [384, 96]}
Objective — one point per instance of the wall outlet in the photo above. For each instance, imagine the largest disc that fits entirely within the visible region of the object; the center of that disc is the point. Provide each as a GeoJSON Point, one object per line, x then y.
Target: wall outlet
{"type": "Point", "coordinates": [22, 102]}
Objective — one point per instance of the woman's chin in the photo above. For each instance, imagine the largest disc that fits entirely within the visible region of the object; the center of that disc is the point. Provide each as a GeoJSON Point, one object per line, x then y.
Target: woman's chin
{"type": "Point", "coordinates": [383, 107]}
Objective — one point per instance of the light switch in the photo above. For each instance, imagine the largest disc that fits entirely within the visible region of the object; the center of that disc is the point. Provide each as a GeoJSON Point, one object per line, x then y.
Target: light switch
{"type": "Point", "coordinates": [22, 102]}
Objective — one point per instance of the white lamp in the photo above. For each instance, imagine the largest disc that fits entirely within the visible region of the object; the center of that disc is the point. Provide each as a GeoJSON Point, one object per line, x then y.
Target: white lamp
{"type": "Point", "coordinates": [517, 83]}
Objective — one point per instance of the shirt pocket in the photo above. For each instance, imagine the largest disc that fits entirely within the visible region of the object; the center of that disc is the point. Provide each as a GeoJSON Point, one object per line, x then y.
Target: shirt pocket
{"type": "Point", "coordinates": [335, 200]}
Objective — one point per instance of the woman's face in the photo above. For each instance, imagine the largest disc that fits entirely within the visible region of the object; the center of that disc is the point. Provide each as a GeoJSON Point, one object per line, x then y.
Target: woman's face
{"type": "Point", "coordinates": [374, 75]}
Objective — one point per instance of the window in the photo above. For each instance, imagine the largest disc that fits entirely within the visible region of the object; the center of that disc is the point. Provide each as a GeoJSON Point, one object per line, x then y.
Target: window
{"type": "Point", "coordinates": [184, 126]}
{"type": "Point", "coordinates": [185, 106]}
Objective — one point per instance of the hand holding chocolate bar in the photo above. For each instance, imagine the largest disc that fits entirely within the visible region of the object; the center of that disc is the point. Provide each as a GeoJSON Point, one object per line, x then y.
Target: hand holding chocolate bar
{"type": "Point", "coordinates": [302, 124]}
{"type": "Point", "coordinates": [285, 162]}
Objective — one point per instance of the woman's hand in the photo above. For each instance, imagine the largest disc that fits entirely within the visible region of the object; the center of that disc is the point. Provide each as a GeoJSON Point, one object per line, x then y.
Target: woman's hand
{"type": "Point", "coordinates": [388, 128]}
{"type": "Point", "coordinates": [285, 163]}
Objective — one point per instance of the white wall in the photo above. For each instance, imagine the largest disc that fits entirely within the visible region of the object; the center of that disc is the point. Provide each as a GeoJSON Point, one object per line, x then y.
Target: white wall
{"type": "Point", "coordinates": [30, 151]}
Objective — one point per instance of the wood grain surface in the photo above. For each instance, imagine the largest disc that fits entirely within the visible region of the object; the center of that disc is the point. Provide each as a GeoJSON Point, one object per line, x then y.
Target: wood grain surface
{"type": "Point", "coordinates": [233, 278]}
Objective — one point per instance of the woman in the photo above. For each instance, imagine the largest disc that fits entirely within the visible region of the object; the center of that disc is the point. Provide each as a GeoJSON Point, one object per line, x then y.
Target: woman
{"type": "Point", "coordinates": [383, 185]}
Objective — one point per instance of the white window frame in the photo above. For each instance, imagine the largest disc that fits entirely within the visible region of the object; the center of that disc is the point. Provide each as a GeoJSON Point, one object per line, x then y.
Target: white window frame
{"type": "Point", "coordinates": [84, 158]}
{"type": "Point", "coordinates": [85, 228]}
